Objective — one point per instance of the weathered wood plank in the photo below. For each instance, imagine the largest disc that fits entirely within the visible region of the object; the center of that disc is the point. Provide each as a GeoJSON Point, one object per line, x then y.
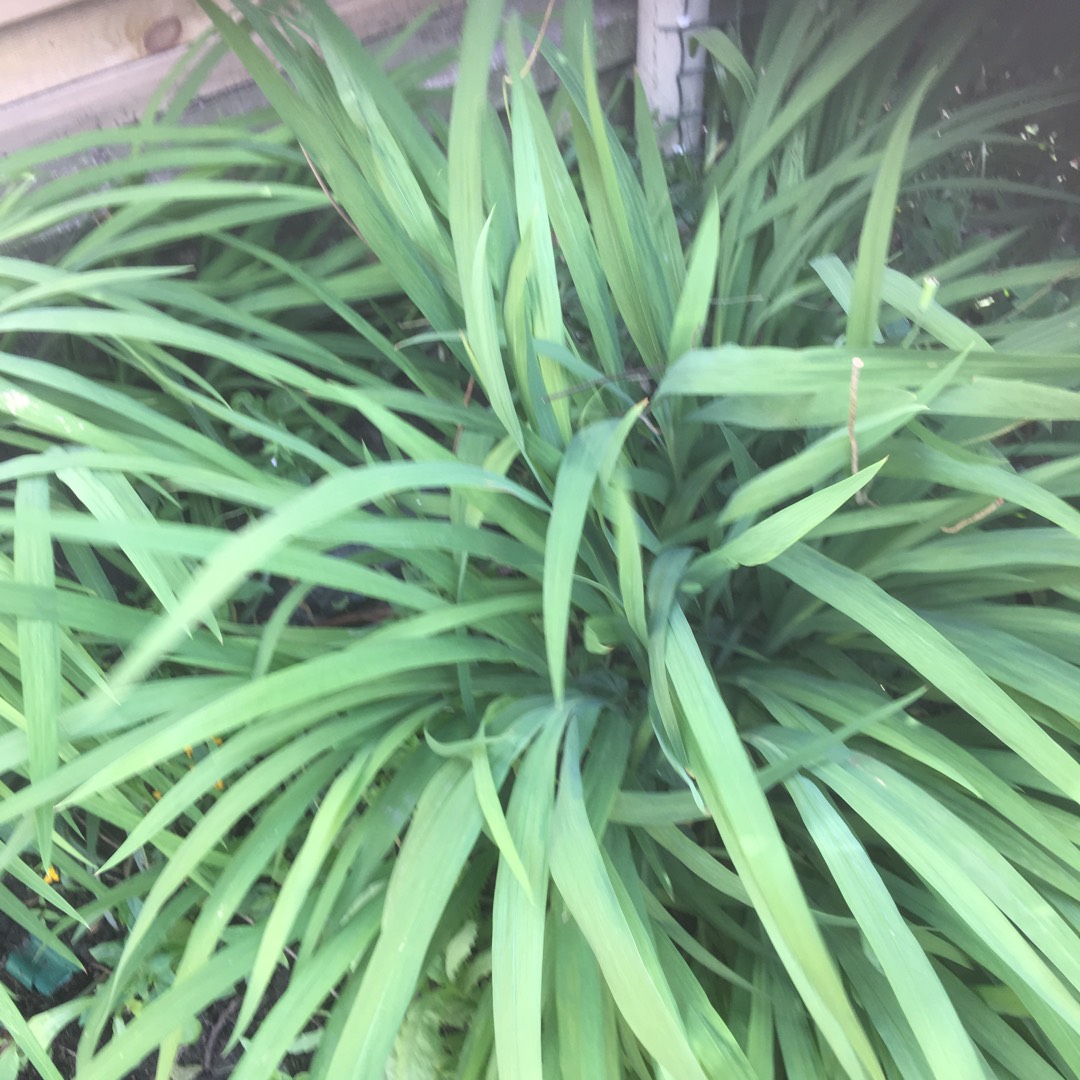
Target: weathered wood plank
{"type": "Point", "coordinates": [73, 41]}
{"type": "Point", "coordinates": [70, 67]}
{"type": "Point", "coordinates": [96, 63]}
{"type": "Point", "coordinates": [15, 11]}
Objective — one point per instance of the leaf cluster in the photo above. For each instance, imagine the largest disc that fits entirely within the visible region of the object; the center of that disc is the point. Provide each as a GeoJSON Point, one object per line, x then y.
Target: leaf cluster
{"type": "Point", "coordinates": [578, 635]}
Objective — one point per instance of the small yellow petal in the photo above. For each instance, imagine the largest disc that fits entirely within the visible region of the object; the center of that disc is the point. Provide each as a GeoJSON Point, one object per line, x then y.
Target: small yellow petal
{"type": "Point", "coordinates": [156, 793]}
{"type": "Point", "coordinates": [218, 741]}
{"type": "Point", "coordinates": [189, 751]}
{"type": "Point", "coordinates": [220, 785]}
{"type": "Point", "coordinates": [51, 877]}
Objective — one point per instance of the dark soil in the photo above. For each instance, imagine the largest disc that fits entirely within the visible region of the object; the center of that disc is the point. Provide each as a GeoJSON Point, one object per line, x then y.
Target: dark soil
{"type": "Point", "coordinates": [207, 1052]}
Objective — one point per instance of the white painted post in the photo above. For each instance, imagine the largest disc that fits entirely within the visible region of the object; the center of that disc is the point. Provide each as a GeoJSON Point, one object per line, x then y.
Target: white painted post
{"type": "Point", "coordinates": [673, 80]}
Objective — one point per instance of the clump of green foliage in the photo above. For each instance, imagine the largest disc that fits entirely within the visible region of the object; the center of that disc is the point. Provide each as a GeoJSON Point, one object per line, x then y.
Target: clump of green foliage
{"type": "Point", "coordinates": [691, 689]}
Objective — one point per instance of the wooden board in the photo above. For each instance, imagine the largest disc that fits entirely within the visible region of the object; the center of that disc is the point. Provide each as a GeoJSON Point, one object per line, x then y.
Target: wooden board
{"type": "Point", "coordinates": [16, 10]}
{"type": "Point", "coordinates": [73, 41]}
{"type": "Point", "coordinates": [72, 66]}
